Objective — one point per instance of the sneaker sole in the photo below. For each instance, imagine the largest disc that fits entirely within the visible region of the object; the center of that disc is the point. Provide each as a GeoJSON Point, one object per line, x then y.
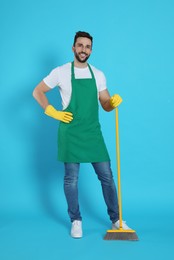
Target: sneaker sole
{"type": "Point", "coordinates": [76, 236]}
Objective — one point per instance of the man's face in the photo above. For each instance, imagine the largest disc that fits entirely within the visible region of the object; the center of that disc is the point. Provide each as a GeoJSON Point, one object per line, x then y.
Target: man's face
{"type": "Point", "coordinates": [82, 49]}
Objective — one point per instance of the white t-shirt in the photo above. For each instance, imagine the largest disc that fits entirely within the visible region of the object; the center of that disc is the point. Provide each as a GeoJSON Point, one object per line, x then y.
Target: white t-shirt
{"type": "Point", "coordinates": [61, 77]}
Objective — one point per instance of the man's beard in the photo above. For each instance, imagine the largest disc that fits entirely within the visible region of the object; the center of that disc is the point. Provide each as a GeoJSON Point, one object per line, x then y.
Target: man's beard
{"type": "Point", "coordinates": [79, 59]}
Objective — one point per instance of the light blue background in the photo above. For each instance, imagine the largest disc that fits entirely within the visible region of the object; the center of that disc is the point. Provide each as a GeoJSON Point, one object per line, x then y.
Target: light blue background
{"type": "Point", "coordinates": [133, 45]}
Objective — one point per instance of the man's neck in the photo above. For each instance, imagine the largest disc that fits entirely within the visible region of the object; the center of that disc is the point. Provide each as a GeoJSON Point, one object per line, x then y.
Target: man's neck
{"type": "Point", "coordinates": [78, 64]}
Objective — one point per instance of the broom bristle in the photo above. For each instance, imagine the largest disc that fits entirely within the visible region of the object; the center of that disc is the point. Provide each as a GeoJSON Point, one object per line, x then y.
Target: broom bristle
{"type": "Point", "coordinates": [121, 236]}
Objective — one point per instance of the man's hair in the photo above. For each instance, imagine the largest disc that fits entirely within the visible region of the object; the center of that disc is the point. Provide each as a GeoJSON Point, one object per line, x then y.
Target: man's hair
{"type": "Point", "coordinates": [82, 34]}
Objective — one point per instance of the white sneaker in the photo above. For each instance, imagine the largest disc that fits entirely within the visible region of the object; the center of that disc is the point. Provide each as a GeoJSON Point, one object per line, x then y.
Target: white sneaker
{"type": "Point", "coordinates": [116, 225]}
{"type": "Point", "coordinates": [76, 229]}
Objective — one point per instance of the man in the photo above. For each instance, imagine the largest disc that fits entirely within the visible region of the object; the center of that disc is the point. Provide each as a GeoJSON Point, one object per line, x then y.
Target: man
{"type": "Point", "coordinates": [80, 138]}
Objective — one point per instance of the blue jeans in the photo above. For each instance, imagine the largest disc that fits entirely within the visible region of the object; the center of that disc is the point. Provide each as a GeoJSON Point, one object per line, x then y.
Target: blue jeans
{"type": "Point", "coordinates": [105, 176]}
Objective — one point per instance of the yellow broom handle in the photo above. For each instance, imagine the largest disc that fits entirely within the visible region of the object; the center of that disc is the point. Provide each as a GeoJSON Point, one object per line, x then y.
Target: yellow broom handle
{"type": "Point", "coordinates": [118, 167]}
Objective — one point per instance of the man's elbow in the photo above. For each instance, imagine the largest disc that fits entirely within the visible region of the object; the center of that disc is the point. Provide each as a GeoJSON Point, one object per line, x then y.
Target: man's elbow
{"type": "Point", "coordinates": [34, 93]}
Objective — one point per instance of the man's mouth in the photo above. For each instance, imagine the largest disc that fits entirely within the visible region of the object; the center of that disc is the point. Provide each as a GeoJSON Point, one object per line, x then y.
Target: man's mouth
{"type": "Point", "coordinates": [83, 55]}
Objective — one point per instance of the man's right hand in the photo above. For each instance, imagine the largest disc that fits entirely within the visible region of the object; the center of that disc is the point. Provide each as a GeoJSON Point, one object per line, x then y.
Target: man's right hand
{"type": "Point", "coordinates": [65, 117]}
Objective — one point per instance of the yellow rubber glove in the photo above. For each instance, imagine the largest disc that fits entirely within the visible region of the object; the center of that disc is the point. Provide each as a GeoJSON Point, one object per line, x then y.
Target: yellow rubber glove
{"type": "Point", "coordinates": [65, 117]}
{"type": "Point", "coordinates": [115, 100]}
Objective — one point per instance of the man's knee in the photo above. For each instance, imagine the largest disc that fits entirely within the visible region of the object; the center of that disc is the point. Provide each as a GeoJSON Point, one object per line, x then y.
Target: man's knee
{"type": "Point", "coordinates": [71, 174]}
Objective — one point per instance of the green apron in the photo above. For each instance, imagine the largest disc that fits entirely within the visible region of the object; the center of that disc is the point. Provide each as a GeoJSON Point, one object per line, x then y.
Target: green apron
{"type": "Point", "coordinates": [81, 140]}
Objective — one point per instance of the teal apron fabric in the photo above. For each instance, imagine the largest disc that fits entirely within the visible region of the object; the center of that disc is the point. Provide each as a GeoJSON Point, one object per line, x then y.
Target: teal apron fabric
{"type": "Point", "coordinates": [81, 140]}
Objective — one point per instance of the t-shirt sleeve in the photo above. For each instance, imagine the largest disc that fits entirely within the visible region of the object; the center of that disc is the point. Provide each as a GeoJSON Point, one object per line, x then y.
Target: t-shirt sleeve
{"type": "Point", "coordinates": [52, 79]}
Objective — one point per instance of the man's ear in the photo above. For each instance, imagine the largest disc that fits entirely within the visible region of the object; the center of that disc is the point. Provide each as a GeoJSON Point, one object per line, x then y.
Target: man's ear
{"type": "Point", "coordinates": [73, 48]}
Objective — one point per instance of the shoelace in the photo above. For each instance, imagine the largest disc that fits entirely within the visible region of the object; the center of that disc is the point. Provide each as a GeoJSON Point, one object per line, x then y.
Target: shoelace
{"type": "Point", "coordinates": [123, 222]}
{"type": "Point", "coordinates": [76, 223]}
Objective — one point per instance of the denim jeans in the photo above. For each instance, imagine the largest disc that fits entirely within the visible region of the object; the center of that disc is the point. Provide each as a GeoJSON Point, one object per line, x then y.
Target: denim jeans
{"type": "Point", "coordinates": [104, 174]}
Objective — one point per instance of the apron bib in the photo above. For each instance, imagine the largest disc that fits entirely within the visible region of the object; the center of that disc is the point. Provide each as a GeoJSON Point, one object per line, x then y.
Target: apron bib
{"type": "Point", "coordinates": [81, 140]}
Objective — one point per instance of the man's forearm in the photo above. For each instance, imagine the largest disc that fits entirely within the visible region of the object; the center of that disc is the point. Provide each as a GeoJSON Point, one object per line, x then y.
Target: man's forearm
{"type": "Point", "coordinates": [39, 94]}
{"type": "Point", "coordinates": [40, 98]}
{"type": "Point", "coordinates": [107, 106]}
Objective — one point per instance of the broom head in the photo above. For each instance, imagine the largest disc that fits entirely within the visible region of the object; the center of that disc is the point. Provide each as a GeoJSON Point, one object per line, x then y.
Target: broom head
{"type": "Point", "coordinates": [121, 234]}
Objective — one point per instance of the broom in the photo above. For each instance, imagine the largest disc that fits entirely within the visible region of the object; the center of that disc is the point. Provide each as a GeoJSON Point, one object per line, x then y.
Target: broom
{"type": "Point", "coordinates": [119, 234]}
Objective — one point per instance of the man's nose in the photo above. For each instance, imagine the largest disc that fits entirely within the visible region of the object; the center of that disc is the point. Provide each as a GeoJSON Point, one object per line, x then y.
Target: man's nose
{"type": "Point", "coordinates": [83, 48]}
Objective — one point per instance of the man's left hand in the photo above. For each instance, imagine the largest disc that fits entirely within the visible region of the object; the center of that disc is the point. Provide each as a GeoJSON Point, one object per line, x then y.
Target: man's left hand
{"type": "Point", "coordinates": [115, 100]}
